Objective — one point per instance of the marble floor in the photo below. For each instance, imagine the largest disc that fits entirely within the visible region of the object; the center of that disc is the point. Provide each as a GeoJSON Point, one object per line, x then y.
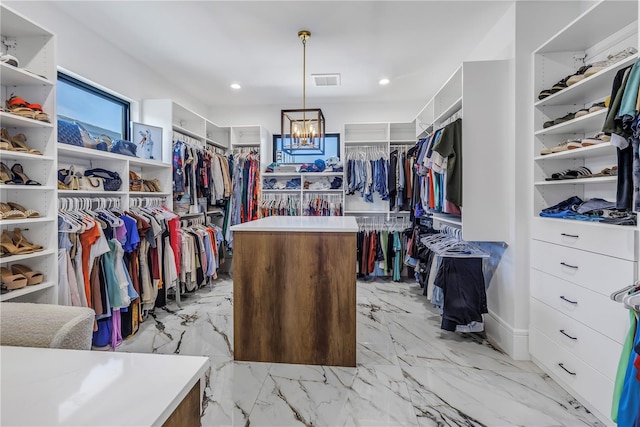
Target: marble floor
{"type": "Point", "coordinates": [409, 373]}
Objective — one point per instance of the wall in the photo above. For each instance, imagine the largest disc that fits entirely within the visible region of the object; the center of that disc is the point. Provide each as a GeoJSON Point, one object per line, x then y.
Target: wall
{"type": "Point", "coordinates": [84, 53]}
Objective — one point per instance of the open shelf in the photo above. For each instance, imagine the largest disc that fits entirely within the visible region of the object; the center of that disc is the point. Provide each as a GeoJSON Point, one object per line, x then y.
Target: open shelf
{"type": "Point", "coordinates": [21, 155]}
{"type": "Point", "coordinates": [580, 153]}
{"type": "Point", "coordinates": [13, 120]}
{"type": "Point", "coordinates": [12, 76]}
{"type": "Point", "coordinates": [26, 291]}
{"type": "Point", "coordinates": [587, 122]}
{"type": "Point", "coordinates": [447, 219]}
{"type": "Point", "coordinates": [596, 180]}
{"type": "Point", "coordinates": [449, 111]}
{"type": "Point", "coordinates": [18, 258]}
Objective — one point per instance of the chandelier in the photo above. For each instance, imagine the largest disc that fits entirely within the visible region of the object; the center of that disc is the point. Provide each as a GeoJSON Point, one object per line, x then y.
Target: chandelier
{"type": "Point", "coordinates": [302, 129]}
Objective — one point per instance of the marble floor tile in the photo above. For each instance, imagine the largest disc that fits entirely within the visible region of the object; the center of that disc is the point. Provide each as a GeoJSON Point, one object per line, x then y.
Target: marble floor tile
{"type": "Point", "coordinates": [409, 371]}
{"type": "Point", "coordinates": [464, 396]}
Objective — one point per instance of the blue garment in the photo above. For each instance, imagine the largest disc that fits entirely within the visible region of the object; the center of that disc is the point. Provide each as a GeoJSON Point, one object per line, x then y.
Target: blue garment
{"type": "Point", "coordinates": [397, 248]}
{"type": "Point", "coordinates": [628, 409]}
{"type": "Point", "coordinates": [133, 238]}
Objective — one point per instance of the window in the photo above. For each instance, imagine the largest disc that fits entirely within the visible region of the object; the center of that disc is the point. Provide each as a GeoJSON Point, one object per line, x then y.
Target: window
{"type": "Point", "coordinates": [98, 111]}
{"type": "Point", "coordinates": [331, 149]}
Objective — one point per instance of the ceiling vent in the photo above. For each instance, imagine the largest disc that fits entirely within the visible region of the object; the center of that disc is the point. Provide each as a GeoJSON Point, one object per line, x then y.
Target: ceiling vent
{"type": "Point", "coordinates": [326, 79]}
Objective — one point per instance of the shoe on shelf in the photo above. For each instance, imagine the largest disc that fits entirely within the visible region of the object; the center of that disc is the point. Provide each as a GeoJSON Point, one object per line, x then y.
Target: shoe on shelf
{"type": "Point", "coordinates": [9, 60]}
{"type": "Point", "coordinates": [20, 177]}
{"type": "Point", "coordinates": [6, 176]}
{"type": "Point", "coordinates": [598, 66]}
{"type": "Point", "coordinates": [582, 112]}
{"type": "Point", "coordinates": [9, 212]}
{"type": "Point", "coordinates": [12, 281]}
{"type": "Point", "coordinates": [10, 248]}
{"type": "Point", "coordinates": [33, 277]}
{"type": "Point", "coordinates": [19, 143]}
{"type": "Point", "coordinates": [38, 113]}
{"type": "Point", "coordinates": [581, 172]}
{"type": "Point", "coordinates": [21, 242]}
{"type": "Point", "coordinates": [5, 140]}
{"type": "Point", "coordinates": [565, 118]}
{"type": "Point", "coordinates": [578, 76]}
{"type": "Point", "coordinates": [20, 107]}
{"type": "Point", "coordinates": [597, 139]}
{"type": "Point", "coordinates": [597, 107]}
{"type": "Point", "coordinates": [29, 213]}
{"type": "Point", "coordinates": [557, 176]}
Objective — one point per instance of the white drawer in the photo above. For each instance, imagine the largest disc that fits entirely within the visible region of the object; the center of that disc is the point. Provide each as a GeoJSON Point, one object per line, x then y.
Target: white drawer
{"type": "Point", "coordinates": [596, 350]}
{"type": "Point", "coordinates": [598, 312]}
{"type": "Point", "coordinates": [583, 380]}
{"type": "Point", "coordinates": [616, 241]}
{"type": "Point", "coordinates": [600, 273]}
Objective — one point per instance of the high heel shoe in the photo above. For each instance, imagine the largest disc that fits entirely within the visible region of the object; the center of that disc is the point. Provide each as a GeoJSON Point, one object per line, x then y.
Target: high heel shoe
{"type": "Point", "coordinates": [10, 213]}
{"type": "Point", "coordinates": [6, 176]}
{"type": "Point", "coordinates": [20, 177]}
{"type": "Point", "coordinates": [5, 140]}
{"type": "Point", "coordinates": [20, 241]}
{"type": "Point", "coordinates": [19, 143]}
{"type": "Point", "coordinates": [10, 248]}
{"type": "Point", "coordinates": [12, 281]}
{"type": "Point", "coordinates": [33, 277]}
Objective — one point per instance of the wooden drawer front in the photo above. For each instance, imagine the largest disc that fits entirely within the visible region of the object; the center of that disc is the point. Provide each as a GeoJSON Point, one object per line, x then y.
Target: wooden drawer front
{"type": "Point", "coordinates": [608, 240]}
{"type": "Point", "coordinates": [602, 274]}
{"type": "Point", "coordinates": [594, 310]}
{"type": "Point", "coordinates": [585, 381]}
{"type": "Point", "coordinates": [596, 350]}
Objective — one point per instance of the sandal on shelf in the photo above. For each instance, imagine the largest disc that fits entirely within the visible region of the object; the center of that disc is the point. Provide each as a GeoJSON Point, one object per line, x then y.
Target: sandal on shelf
{"type": "Point", "coordinates": [38, 113]}
{"type": "Point", "coordinates": [19, 143]}
{"type": "Point", "coordinates": [21, 177]}
{"type": "Point", "coordinates": [12, 281]}
{"type": "Point", "coordinates": [10, 248]}
{"type": "Point", "coordinates": [11, 213]}
{"type": "Point", "coordinates": [603, 172]}
{"type": "Point", "coordinates": [19, 106]}
{"type": "Point", "coordinates": [581, 172]}
{"type": "Point", "coordinates": [29, 213]}
{"type": "Point", "coordinates": [6, 176]}
{"type": "Point", "coordinates": [5, 140]}
{"type": "Point", "coordinates": [20, 241]}
{"type": "Point", "coordinates": [33, 277]}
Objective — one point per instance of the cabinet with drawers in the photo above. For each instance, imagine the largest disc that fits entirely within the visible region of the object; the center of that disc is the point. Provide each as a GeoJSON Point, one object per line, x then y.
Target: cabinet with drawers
{"type": "Point", "coordinates": [576, 331]}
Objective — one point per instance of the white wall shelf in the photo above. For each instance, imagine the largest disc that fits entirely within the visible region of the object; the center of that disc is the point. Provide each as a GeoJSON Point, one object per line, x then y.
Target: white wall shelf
{"type": "Point", "coordinates": [448, 219]}
{"type": "Point", "coordinates": [590, 121]}
{"type": "Point", "coordinates": [449, 111]}
{"type": "Point", "coordinates": [19, 155]}
{"type": "Point", "coordinates": [13, 120]}
{"type": "Point", "coordinates": [12, 76]}
{"type": "Point", "coordinates": [577, 181]}
{"type": "Point", "coordinates": [24, 257]}
{"type": "Point", "coordinates": [25, 221]}
{"type": "Point", "coordinates": [18, 293]}
{"type": "Point", "coordinates": [579, 153]}
{"type": "Point", "coordinates": [594, 87]}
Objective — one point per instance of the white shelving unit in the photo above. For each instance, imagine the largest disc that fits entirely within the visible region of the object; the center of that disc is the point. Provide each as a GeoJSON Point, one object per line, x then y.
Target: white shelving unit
{"type": "Point", "coordinates": [85, 158]}
{"type": "Point", "coordinates": [576, 331]}
{"type": "Point", "coordinates": [34, 81]}
{"type": "Point", "coordinates": [477, 91]}
{"type": "Point", "coordinates": [382, 136]}
{"type": "Point", "coordinates": [305, 177]}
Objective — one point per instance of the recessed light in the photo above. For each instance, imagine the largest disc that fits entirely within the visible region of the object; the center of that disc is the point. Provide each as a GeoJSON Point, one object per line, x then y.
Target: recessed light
{"type": "Point", "coordinates": [235, 86]}
{"type": "Point", "coordinates": [384, 82]}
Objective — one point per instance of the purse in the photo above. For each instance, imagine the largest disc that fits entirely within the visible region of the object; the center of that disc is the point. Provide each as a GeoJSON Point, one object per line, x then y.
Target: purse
{"type": "Point", "coordinates": [135, 182]}
{"type": "Point", "coordinates": [91, 183]}
{"type": "Point", "coordinates": [104, 142]}
{"type": "Point", "coordinates": [69, 133]}
{"type": "Point", "coordinates": [111, 180]}
{"type": "Point", "coordinates": [126, 148]}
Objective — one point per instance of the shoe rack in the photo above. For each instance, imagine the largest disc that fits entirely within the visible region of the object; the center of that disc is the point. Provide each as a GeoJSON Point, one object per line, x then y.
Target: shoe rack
{"type": "Point", "coordinates": [33, 80]}
{"type": "Point", "coordinates": [576, 331]}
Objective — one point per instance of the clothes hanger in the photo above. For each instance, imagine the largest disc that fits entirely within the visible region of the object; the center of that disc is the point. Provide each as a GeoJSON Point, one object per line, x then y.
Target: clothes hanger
{"type": "Point", "coordinates": [619, 295]}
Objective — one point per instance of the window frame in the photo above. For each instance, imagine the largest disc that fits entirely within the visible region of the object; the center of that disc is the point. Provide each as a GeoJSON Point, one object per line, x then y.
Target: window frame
{"type": "Point", "coordinates": [274, 150]}
{"type": "Point", "coordinates": [87, 87]}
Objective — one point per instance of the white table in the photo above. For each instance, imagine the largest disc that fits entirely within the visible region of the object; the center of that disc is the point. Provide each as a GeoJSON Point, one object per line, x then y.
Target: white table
{"type": "Point", "coordinates": [52, 387]}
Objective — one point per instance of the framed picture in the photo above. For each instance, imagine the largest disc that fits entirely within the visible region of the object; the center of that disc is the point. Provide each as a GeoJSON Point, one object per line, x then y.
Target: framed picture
{"type": "Point", "coordinates": [148, 140]}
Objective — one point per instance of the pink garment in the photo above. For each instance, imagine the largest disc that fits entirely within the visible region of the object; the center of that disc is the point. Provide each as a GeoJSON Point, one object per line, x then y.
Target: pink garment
{"type": "Point", "coordinates": [451, 208]}
{"type": "Point", "coordinates": [121, 234]}
{"type": "Point", "coordinates": [174, 235]}
{"type": "Point", "coordinates": [116, 330]}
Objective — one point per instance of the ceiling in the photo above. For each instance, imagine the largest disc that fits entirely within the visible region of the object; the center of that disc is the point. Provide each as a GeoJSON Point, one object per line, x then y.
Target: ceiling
{"type": "Point", "coordinates": [204, 46]}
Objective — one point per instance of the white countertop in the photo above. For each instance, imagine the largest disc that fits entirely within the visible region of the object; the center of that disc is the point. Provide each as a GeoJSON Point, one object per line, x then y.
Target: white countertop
{"type": "Point", "coordinates": [51, 387]}
{"type": "Point", "coordinates": [326, 224]}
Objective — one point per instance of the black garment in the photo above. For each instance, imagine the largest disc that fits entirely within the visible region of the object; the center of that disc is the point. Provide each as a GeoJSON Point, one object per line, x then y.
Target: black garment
{"type": "Point", "coordinates": [379, 252]}
{"type": "Point", "coordinates": [465, 299]}
{"type": "Point", "coordinates": [624, 193]}
{"type": "Point", "coordinates": [390, 253]}
{"type": "Point", "coordinates": [161, 299]}
{"type": "Point", "coordinates": [359, 241]}
{"type": "Point", "coordinates": [392, 184]}
{"type": "Point", "coordinates": [126, 324]}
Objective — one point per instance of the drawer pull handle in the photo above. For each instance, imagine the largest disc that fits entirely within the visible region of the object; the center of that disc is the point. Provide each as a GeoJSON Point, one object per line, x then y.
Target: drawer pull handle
{"type": "Point", "coordinates": [569, 265]}
{"type": "Point", "coordinates": [566, 370]}
{"type": "Point", "coordinates": [568, 300]}
{"type": "Point", "coordinates": [575, 236]}
{"type": "Point", "coordinates": [567, 335]}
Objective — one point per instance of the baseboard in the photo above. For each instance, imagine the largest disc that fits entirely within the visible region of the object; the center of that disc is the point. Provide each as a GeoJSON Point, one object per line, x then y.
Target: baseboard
{"type": "Point", "coordinates": [514, 342]}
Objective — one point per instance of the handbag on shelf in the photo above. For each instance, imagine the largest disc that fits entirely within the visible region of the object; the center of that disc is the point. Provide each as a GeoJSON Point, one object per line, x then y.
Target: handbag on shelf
{"type": "Point", "coordinates": [112, 181]}
{"type": "Point", "coordinates": [126, 148]}
{"type": "Point", "coordinates": [69, 133]}
{"type": "Point", "coordinates": [104, 142]}
{"type": "Point", "coordinates": [135, 182]}
{"type": "Point", "coordinates": [91, 183]}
